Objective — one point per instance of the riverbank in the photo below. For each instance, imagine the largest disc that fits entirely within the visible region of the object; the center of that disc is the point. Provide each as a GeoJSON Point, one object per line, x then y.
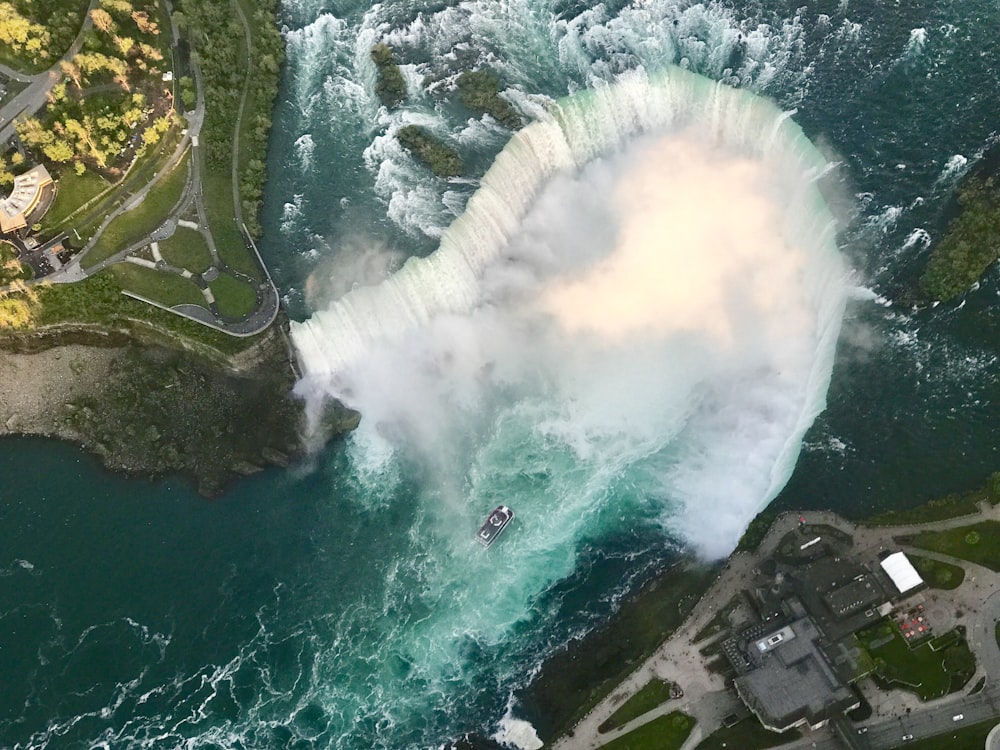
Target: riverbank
{"type": "Point", "coordinates": [151, 410]}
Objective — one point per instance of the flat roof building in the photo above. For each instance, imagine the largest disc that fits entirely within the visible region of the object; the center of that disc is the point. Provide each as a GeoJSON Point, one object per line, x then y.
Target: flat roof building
{"type": "Point", "coordinates": [23, 199]}
{"type": "Point", "coordinates": [793, 682]}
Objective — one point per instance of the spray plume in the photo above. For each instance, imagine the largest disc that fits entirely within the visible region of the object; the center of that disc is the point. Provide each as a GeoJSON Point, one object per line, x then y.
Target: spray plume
{"type": "Point", "coordinates": [635, 318]}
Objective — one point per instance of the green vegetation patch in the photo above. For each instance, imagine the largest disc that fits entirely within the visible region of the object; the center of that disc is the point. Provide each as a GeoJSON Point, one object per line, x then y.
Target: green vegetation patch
{"type": "Point", "coordinates": [978, 543]}
{"type": "Point", "coordinates": [168, 289]}
{"type": "Point", "coordinates": [748, 733]}
{"type": "Point", "coordinates": [654, 693]}
{"type": "Point", "coordinates": [72, 192]}
{"type": "Point", "coordinates": [937, 574]}
{"type": "Point", "coordinates": [479, 90]}
{"type": "Point", "coordinates": [229, 241]}
{"type": "Point", "coordinates": [970, 244]}
{"type": "Point", "coordinates": [234, 298]}
{"type": "Point", "coordinates": [132, 226]}
{"type": "Point", "coordinates": [186, 248]}
{"type": "Point", "coordinates": [954, 505]}
{"type": "Point", "coordinates": [930, 670]}
{"type": "Point", "coordinates": [662, 733]}
{"type": "Point", "coordinates": [390, 87]}
{"type": "Point", "coordinates": [98, 300]}
{"type": "Point", "coordinates": [972, 737]}
{"type": "Point", "coordinates": [11, 268]}
{"type": "Point", "coordinates": [757, 530]}
{"type": "Point", "coordinates": [35, 33]}
{"type": "Point", "coordinates": [443, 160]}
{"type": "Point", "coordinates": [573, 681]}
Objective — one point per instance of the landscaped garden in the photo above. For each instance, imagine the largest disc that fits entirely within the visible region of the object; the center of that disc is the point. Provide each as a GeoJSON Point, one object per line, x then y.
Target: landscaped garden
{"type": "Point", "coordinates": [651, 695]}
{"type": "Point", "coordinates": [937, 574]}
{"type": "Point", "coordinates": [978, 543]}
{"type": "Point", "coordinates": [931, 669]}
{"type": "Point", "coordinates": [748, 733]}
{"type": "Point", "coordinates": [133, 225]}
{"type": "Point", "coordinates": [972, 737]}
{"type": "Point", "coordinates": [233, 297]}
{"type": "Point", "coordinates": [186, 248]}
{"type": "Point", "coordinates": [662, 733]}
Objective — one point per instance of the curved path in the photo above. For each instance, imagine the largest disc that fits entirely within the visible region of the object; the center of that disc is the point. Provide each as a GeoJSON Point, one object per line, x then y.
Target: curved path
{"type": "Point", "coordinates": [34, 96]}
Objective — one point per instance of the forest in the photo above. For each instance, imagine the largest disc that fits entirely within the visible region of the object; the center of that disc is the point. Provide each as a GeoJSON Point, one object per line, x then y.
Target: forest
{"type": "Point", "coordinates": [113, 103]}
{"type": "Point", "coordinates": [218, 39]}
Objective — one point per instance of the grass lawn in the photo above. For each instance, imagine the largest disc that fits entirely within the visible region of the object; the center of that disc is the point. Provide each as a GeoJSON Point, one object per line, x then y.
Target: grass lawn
{"type": "Point", "coordinates": [938, 575]}
{"type": "Point", "coordinates": [972, 737]}
{"type": "Point", "coordinates": [72, 191]}
{"type": "Point", "coordinates": [235, 298]}
{"type": "Point", "coordinates": [978, 543]}
{"type": "Point", "coordinates": [928, 673]}
{"type": "Point", "coordinates": [166, 288]}
{"type": "Point", "coordinates": [133, 225]}
{"type": "Point", "coordinates": [99, 300]}
{"type": "Point", "coordinates": [229, 242]}
{"type": "Point", "coordinates": [663, 733]}
{"type": "Point", "coordinates": [747, 734]}
{"type": "Point", "coordinates": [186, 248]}
{"type": "Point", "coordinates": [576, 679]}
{"type": "Point", "coordinates": [653, 694]}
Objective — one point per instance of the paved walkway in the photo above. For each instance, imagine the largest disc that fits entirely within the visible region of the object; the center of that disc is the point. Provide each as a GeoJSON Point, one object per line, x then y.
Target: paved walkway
{"type": "Point", "coordinates": [975, 604]}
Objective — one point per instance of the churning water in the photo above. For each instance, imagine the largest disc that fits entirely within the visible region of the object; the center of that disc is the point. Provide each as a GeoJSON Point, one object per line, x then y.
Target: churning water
{"type": "Point", "coordinates": [623, 328]}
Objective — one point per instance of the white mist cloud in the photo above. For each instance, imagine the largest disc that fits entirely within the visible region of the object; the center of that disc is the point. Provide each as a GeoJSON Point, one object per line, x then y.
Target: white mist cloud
{"type": "Point", "coordinates": [647, 341]}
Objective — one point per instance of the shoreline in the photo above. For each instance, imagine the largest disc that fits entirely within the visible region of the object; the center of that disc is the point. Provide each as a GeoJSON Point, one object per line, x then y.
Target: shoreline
{"type": "Point", "coordinates": [147, 409]}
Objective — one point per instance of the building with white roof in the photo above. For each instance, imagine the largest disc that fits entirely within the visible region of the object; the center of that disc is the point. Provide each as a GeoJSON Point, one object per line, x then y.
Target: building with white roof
{"type": "Point", "coordinates": [901, 572]}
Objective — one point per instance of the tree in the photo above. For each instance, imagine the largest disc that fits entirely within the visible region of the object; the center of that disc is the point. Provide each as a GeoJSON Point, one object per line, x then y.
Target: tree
{"type": "Point", "coordinates": [102, 20]}
{"type": "Point", "coordinates": [59, 151]}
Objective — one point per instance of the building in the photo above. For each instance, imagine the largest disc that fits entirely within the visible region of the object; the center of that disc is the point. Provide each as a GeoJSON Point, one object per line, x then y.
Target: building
{"type": "Point", "coordinates": [901, 572]}
{"type": "Point", "coordinates": [27, 195]}
{"type": "Point", "coordinates": [792, 681]}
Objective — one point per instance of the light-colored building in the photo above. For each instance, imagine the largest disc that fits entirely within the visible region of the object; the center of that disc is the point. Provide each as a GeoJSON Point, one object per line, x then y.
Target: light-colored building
{"type": "Point", "coordinates": [23, 199]}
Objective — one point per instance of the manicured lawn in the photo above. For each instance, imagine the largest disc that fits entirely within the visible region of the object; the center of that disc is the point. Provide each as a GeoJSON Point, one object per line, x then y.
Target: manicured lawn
{"type": "Point", "coordinates": [747, 734]}
{"type": "Point", "coordinates": [653, 694]}
{"type": "Point", "coordinates": [972, 737]}
{"type": "Point", "coordinates": [72, 191]}
{"type": "Point", "coordinates": [133, 225]}
{"type": "Point", "coordinates": [924, 671]}
{"type": "Point", "coordinates": [663, 733]}
{"type": "Point", "coordinates": [99, 300]}
{"type": "Point", "coordinates": [229, 242]}
{"type": "Point", "coordinates": [186, 248]}
{"type": "Point", "coordinates": [166, 288]}
{"type": "Point", "coordinates": [978, 543]}
{"type": "Point", "coordinates": [938, 575]}
{"type": "Point", "coordinates": [235, 298]}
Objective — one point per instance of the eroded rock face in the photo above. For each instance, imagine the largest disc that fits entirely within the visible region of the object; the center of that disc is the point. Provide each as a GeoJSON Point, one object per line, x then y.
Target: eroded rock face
{"type": "Point", "coordinates": [151, 410]}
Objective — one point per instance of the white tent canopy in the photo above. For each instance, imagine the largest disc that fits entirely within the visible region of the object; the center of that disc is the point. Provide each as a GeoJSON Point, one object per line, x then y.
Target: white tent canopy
{"type": "Point", "coordinates": [899, 568]}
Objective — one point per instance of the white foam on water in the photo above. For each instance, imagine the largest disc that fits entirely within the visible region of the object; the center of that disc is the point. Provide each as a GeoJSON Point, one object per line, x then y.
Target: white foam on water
{"type": "Point", "coordinates": [709, 407]}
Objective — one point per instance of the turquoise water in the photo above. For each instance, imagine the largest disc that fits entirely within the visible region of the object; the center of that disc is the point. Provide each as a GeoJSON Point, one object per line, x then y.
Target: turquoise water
{"type": "Point", "coordinates": [343, 604]}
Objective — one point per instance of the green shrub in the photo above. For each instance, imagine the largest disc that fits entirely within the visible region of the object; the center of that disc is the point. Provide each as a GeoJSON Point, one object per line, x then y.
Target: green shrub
{"type": "Point", "coordinates": [443, 160]}
{"type": "Point", "coordinates": [390, 87]}
{"type": "Point", "coordinates": [970, 244]}
{"type": "Point", "coordinates": [480, 90]}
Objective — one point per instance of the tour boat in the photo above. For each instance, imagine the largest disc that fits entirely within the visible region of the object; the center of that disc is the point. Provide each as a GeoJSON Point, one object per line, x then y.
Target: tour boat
{"type": "Point", "coordinates": [497, 522]}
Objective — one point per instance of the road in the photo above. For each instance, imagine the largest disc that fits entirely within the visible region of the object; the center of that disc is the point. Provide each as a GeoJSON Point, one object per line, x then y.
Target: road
{"type": "Point", "coordinates": [34, 96]}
